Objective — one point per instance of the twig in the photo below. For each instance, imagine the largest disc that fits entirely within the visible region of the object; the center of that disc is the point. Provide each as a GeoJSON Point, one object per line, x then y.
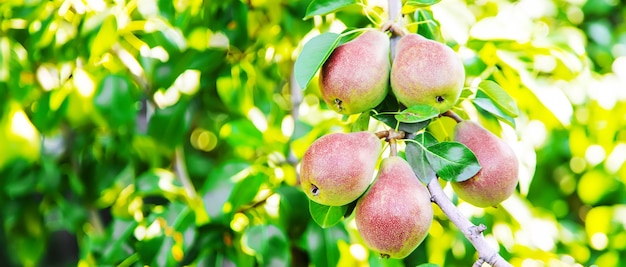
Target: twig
{"type": "Point", "coordinates": [395, 17]}
{"type": "Point", "coordinates": [452, 115]}
{"type": "Point", "coordinates": [181, 171]}
{"type": "Point", "coordinates": [486, 254]}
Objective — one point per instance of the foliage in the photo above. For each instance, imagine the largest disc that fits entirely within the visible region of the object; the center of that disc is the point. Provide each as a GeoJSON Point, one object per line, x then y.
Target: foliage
{"type": "Point", "coordinates": [168, 133]}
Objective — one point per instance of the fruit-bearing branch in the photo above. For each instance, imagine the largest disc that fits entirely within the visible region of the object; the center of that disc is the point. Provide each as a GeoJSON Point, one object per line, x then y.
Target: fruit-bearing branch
{"type": "Point", "coordinates": [486, 254]}
{"type": "Point", "coordinates": [473, 233]}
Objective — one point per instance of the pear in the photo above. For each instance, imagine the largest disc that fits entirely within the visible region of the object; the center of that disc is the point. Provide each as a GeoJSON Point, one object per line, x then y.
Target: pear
{"type": "Point", "coordinates": [337, 168]}
{"type": "Point", "coordinates": [426, 72]}
{"type": "Point", "coordinates": [395, 214]}
{"type": "Point", "coordinates": [498, 177]}
{"type": "Point", "coordinates": [355, 77]}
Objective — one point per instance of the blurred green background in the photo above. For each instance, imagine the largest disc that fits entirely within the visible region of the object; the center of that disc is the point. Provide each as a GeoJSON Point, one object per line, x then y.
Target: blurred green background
{"type": "Point", "coordinates": [168, 133]}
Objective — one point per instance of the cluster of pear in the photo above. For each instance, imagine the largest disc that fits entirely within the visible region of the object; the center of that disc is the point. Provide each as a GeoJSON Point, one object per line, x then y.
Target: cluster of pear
{"type": "Point", "coordinates": [393, 210]}
{"type": "Point", "coordinates": [394, 215]}
{"type": "Point", "coordinates": [357, 75]}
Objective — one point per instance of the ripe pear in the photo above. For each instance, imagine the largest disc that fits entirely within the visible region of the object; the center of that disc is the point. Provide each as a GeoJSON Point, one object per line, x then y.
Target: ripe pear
{"type": "Point", "coordinates": [337, 168]}
{"type": "Point", "coordinates": [498, 177]}
{"type": "Point", "coordinates": [426, 72]}
{"type": "Point", "coordinates": [395, 214]}
{"type": "Point", "coordinates": [355, 77]}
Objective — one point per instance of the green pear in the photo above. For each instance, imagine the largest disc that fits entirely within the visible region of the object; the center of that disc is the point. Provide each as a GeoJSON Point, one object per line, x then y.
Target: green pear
{"type": "Point", "coordinates": [355, 77]}
{"type": "Point", "coordinates": [498, 177]}
{"type": "Point", "coordinates": [395, 214]}
{"type": "Point", "coordinates": [426, 72]}
{"type": "Point", "coordinates": [337, 168]}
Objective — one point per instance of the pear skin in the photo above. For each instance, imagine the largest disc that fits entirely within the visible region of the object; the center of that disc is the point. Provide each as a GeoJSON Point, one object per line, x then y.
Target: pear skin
{"type": "Point", "coordinates": [426, 72]}
{"type": "Point", "coordinates": [337, 168]}
{"type": "Point", "coordinates": [395, 214]}
{"type": "Point", "coordinates": [355, 77]}
{"type": "Point", "coordinates": [498, 177]}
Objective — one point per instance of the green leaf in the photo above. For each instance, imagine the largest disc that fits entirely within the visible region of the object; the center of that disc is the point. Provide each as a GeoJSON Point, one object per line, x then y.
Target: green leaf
{"type": "Point", "coordinates": [417, 113]}
{"type": "Point", "coordinates": [422, 3]}
{"type": "Point", "coordinates": [500, 97]}
{"type": "Point", "coordinates": [245, 190]}
{"type": "Point", "coordinates": [322, 245]}
{"type": "Point", "coordinates": [416, 156]}
{"type": "Point", "coordinates": [428, 26]}
{"type": "Point", "coordinates": [453, 161]}
{"type": "Point", "coordinates": [489, 106]}
{"type": "Point", "coordinates": [270, 244]}
{"type": "Point", "coordinates": [313, 55]}
{"type": "Point", "coordinates": [106, 37]}
{"type": "Point", "coordinates": [362, 122]}
{"type": "Point", "coordinates": [208, 237]}
{"type": "Point", "coordinates": [391, 121]}
{"type": "Point", "coordinates": [326, 216]}
{"type": "Point", "coordinates": [115, 102]}
{"type": "Point", "coordinates": [323, 7]}
{"type": "Point", "coordinates": [293, 210]}
{"type": "Point", "coordinates": [169, 125]}
{"type": "Point", "coordinates": [428, 265]}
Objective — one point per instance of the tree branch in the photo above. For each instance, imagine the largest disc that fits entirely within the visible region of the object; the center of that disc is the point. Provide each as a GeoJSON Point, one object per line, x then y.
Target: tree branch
{"type": "Point", "coordinates": [395, 18]}
{"type": "Point", "coordinates": [472, 232]}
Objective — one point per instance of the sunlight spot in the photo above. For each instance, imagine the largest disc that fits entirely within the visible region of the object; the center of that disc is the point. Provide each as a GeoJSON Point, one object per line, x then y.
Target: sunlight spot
{"type": "Point", "coordinates": [188, 82]}
{"type": "Point", "coordinates": [258, 119]}
{"type": "Point", "coordinates": [458, 248]}
{"type": "Point", "coordinates": [166, 98]}
{"type": "Point", "coordinates": [287, 126]}
{"type": "Point", "coordinates": [595, 154]}
{"type": "Point", "coordinates": [83, 82]}
{"type": "Point", "coordinates": [240, 222]}
{"type": "Point", "coordinates": [599, 241]}
{"type": "Point", "coordinates": [272, 205]}
{"type": "Point", "coordinates": [279, 173]}
{"type": "Point", "coordinates": [219, 40]}
{"type": "Point", "coordinates": [619, 67]}
{"type": "Point", "coordinates": [503, 233]}
{"type": "Point", "coordinates": [577, 164]}
{"type": "Point", "coordinates": [203, 140]}
{"type": "Point", "coordinates": [96, 5]}
{"type": "Point", "coordinates": [358, 252]}
{"type": "Point", "coordinates": [616, 159]}
{"type": "Point", "coordinates": [544, 63]}
{"type": "Point", "coordinates": [536, 133]}
{"type": "Point", "coordinates": [48, 77]}
{"type": "Point", "coordinates": [575, 15]}
{"type": "Point", "coordinates": [157, 52]}
{"type": "Point", "coordinates": [269, 53]}
{"type": "Point", "coordinates": [21, 126]}
{"type": "Point", "coordinates": [140, 232]}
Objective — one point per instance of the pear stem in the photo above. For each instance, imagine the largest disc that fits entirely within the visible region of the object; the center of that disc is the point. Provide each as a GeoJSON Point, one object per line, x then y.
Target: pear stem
{"type": "Point", "coordinates": [393, 148]}
{"type": "Point", "coordinates": [452, 115]}
{"type": "Point", "coordinates": [473, 233]}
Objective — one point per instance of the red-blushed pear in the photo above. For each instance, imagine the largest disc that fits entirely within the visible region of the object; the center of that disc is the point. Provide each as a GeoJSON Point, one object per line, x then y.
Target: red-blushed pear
{"type": "Point", "coordinates": [395, 214]}
{"type": "Point", "coordinates": [355, 77]}
{"type": "Point", "coordinates": [498, 177]}
{"type": "Point", "coordinates": [337, 168]}
{"type": "Point", "coordinates": [426, 72]}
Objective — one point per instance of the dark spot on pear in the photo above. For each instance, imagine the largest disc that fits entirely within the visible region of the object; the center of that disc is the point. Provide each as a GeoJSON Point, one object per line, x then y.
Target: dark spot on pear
{"type": "Point", "coordinates": [338, 103]}
{"type": "Point", "coordinates": [314, 190]}
{"type": "Point", "coordinates": [439, 99]}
